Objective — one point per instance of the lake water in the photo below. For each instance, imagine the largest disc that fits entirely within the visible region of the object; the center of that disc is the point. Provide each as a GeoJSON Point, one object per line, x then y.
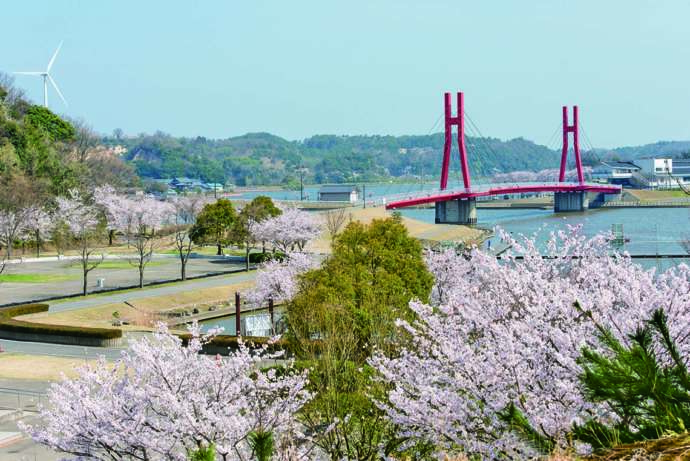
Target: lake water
{"type": "Point", "coordinates": [650, 230]}
{"type": "Point", "coordinates": [254, 323]}
{"type": "Point", "coordinates": [372, 190]}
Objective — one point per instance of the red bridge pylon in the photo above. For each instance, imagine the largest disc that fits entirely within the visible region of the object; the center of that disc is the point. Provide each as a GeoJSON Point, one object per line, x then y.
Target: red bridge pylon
{"type": "Point", "coordinates": [574, 129]}
{"type": "Point", "coordinates": [459, 121]}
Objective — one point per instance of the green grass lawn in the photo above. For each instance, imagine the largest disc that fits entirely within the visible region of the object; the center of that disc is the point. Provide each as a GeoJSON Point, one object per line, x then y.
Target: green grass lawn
{"type": "Point", "coordinates": [117, 264]}
{"type": "Point", "coordinates": [36, 278]}
{"type": "Point", "coordinates": [207, 250]}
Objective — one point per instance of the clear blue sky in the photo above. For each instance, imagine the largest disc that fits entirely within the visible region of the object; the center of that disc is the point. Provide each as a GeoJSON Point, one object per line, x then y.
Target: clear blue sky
{"type": "Point", "coordinates": [297, 68]}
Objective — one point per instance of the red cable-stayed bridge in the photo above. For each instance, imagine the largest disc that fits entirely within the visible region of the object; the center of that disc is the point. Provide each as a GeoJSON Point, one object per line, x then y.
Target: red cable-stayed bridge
{"type": "Point", "coordinates": [458, 206]}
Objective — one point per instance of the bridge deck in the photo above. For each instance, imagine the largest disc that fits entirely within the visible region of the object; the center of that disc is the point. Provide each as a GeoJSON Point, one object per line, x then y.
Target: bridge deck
{"type": "Point", "coordinates": [496, 189]}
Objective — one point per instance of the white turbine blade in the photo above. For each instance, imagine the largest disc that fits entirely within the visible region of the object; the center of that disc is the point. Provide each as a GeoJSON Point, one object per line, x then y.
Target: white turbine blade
{"type": "Point", "coordinates": [52, 60]}
{"type": "Point", "coordinates": [28, 73]}
{"type": "Point", "coordinates": [58, 90]}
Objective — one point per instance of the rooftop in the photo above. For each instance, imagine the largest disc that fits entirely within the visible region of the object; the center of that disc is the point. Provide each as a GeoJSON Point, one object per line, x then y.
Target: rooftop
{"type": "Point", "coordinates": [614, 164]}
{"type": "Point", "coordinates": [338, 188]}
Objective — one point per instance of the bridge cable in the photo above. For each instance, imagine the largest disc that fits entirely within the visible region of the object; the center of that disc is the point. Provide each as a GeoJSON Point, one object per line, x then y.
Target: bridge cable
{"type": "Point", "coordinates": [552, 142]}
{"type": "Point", "coordinates": [480, 143]}
{"type": "Point", "coordinates": [482, 139]}
{"type": "Point", "coordinates": [590, 147]}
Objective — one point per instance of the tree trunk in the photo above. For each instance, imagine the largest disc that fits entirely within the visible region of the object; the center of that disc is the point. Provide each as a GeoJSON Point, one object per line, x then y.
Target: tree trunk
{"type": "Point", "coordinates": [38, 244]}
{"type": "Point", "coordinates": [86, 282]}
{"type": "Point", "coordinates": [220, 249]}
{"type": "Point", "coordinates": [246, 259]}
{"type": "Point", "coordinates": [141, 276]}
{"type": "Point", "coordinates": [111, 233]}
{"type": "Point", "coordinates": [183, 268]}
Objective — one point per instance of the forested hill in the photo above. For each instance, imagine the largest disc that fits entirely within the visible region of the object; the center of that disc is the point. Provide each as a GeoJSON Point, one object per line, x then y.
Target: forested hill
{"type": "Point", "coordinates": [661, 148]}
{"type": "Point", "coordinates": [262, 158]}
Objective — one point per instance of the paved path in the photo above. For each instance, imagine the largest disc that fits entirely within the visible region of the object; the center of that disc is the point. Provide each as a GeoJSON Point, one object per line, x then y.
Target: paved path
{"type": "Point", "coordinates": [58, 350]}
{"type": "Point", "coordinates": [190, 285]}
{"type": "Point", "coordinates": [64, 277]}
{"type": "Point", "coordinates": [63, 350]}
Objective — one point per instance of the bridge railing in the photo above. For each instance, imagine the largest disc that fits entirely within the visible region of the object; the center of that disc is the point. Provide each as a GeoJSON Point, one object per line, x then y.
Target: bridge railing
{"type": "Point", "coordinates": [475, 189]}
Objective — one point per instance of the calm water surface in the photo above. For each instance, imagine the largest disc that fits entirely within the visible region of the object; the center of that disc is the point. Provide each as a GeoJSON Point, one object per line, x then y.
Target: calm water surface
{"type": "Point", "coordinates": [650, 230]}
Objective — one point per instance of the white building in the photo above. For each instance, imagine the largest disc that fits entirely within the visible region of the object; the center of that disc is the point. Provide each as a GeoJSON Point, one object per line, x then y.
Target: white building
{"type": "Point", "coordinates": [655, 173]}
{"type": "Point", "coordinates": [616, 172]}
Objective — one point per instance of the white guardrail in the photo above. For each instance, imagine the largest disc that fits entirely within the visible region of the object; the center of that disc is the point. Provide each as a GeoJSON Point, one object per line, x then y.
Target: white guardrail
{"type": "Point", "coordinates": [478, 188]}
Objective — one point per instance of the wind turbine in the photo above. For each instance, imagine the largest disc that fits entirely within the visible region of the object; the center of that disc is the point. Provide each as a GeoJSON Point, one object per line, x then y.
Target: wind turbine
{"type": "Point", "coordinates": [46, 77]}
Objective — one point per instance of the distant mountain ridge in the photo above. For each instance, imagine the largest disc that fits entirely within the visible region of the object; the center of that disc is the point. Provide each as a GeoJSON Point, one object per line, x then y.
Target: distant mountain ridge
{"type": "Point", "coordinates": [263, 158]}
{"type": "Point", "coordinates": [658, 149]}
{"type": "Point", "coordinates": [266, 159]}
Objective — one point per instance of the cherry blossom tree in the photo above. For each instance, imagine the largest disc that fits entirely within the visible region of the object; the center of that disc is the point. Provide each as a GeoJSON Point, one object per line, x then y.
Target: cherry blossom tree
{"type": "Point", "coordinates": [38, 226]}
{"type": "Point", "coordinates": [114, 208]}
{"type": "Point", "coordinates": [291, 229]}
{"type": "Point", "coordinates": [515, 176]}
{"type": "Point", "coordinates": [164, 401]}
{"type": "Point", "coordinates": [547, 175]}
{"type": "Point", "coordinates": [277, 279]}
{"type": "Point", "coordinates": [499, 346]}
{"type": "Point", "coordinates": [259, 209]}
{"type": "Point", "coordinates": [137, 217]}
{"type": "Point", "coordinates": [81, 218]}
{"type": "Point", "coordinates": [186, 209]}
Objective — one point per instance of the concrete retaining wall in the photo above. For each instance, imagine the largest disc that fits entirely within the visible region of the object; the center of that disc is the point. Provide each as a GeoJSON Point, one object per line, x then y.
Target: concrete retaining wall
{"type": "Point", "coordinates": [60, 339]}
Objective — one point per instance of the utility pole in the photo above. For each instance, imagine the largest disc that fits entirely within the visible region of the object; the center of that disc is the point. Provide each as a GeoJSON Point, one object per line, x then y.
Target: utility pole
{"type": "Point", "coordinates": [301, 183]}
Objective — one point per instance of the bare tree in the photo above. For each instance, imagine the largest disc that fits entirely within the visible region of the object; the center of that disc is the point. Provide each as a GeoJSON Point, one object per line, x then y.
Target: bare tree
{"type": "Point", "coordinates": [86, 140]}
{"type": "Point", "coordinates": [12, 96]}
{"type": "Point", "coordinates": [335, 220]}
{"type": "Point", "coordinates": [186, 210]}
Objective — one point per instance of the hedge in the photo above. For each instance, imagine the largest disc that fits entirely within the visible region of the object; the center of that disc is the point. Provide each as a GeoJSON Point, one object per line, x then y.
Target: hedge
{"type": "Point", "coordinates": [7, 323]}
{"type": "Point", "coordinates": [21, 326]}
{"type": "Point", "coordinates": [232, 342]}
{"type": "Point", "coordinates": [22, 309]}
{"type": "Point", "coordinates": [258, 258]}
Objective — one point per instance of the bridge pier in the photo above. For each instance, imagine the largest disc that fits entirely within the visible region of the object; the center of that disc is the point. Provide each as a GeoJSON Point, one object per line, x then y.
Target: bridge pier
{"type": "Point", "coordinates": [457, 211]}
{"type": "Point", "coordinates": [570, 201]}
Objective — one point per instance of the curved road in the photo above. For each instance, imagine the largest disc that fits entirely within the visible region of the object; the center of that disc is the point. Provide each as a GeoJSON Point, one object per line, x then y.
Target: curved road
{"type": "Point", "coordinates": [63, 350]}
{"type": "Point", "coordinates": [119, 297]}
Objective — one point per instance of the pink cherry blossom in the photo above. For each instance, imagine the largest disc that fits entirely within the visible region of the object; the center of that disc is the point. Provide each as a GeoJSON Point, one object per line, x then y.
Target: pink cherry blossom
{"type": "Point", "coordinates": [291, 230]}
{"type": "Point", "coordinates": [278, 280]}
{"type": "Point", "coordinates": [508, 331]}
{"type": "Point", "coordinates": [162, 400]}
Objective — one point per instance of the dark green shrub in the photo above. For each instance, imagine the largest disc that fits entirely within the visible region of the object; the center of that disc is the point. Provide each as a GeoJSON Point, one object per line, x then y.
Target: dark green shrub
{"type": "Point", "coordinates": [20, 326]}
{"type": "Point", "coordinates": [258, 258]}
{"type": "Point", "coordinates": [8, 323]}
{"type": "Point", "coordinates": [645, 384]}
{"type": "Point", "coordinates": [262, 444]}
{"type": "Point", "coordinates": [204, 454]}
{"type": "Point", "coordinates": [23, 309]}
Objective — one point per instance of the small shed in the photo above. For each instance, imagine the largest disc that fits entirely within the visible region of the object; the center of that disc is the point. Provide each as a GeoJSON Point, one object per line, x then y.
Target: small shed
{"type": "Point", "coordinates": [339, 193]}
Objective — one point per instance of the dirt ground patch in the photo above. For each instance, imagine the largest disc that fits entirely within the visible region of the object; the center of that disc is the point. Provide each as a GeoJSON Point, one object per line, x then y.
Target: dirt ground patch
{"type": "Point", "coordinates": [418, 229]}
